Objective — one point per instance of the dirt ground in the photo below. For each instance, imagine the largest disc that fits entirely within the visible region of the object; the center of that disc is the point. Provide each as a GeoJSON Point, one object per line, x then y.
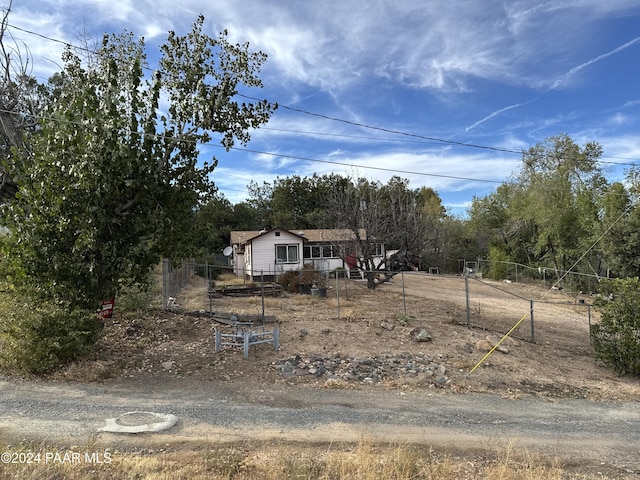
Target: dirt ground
{"type": "Point", "coordinates": [353, 323]}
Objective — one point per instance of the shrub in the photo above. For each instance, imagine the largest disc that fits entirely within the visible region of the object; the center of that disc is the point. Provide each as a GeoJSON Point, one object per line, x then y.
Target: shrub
{"type": "Point", "coordinates": [499, 269]}
{"type": "Point", "coordinates": [36, 336]}
{"type": "Point", "coordinates": [616, 339]}
{"type": "Point", "coordinates": [288, 280]}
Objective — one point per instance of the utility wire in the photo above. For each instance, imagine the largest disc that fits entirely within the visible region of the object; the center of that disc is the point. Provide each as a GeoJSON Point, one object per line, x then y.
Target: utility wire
{"type": "Point", "coordinates": [369, 167]}
{"type": "Point", "coordinates": [388, 130]}
{"type": "Point", "coordinates": [415, 135]}
{"type": "Point", "coordinates": [281, 155]}
{"type": "Point", "coordinates": [335, 119]}
{"type": "Point", "coordinates": [591, 247]}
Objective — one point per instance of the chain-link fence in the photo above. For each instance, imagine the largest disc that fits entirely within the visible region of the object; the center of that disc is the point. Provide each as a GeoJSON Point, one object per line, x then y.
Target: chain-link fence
{"type": "Point", "coordinates": [497, 305]}
{"type": "Point", "coordinates": [490, 305]}
{"type": "Point", "coordinates": [546, 277]}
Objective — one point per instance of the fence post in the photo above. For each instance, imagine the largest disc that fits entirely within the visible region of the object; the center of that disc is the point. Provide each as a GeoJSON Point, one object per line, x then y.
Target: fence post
{"type": "Point", "coordinates": [589, 316]}
{"type": "Point", "coordinates": [275, 337]}
{"type": "Point", "coordinates": [262, 291]}
{"type": "Point", "coordinates": [246, 344]}
{"type": "Point", "coordinates": [338, 294]}
{"type": "Point", "coordinates": [404, 298]}
{"type": "Point", "coordinates": [346, 288]}
{"type": "Point", "coordinates": [466, 293]}
{"type": "Point", "coordinates": [165, 282]}
{"type": "Point", "coordinates": [533, 336]}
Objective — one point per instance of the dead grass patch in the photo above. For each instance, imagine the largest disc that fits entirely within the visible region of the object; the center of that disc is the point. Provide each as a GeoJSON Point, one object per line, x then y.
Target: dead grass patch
{"type": "Point", "coordinates": [282, 461]}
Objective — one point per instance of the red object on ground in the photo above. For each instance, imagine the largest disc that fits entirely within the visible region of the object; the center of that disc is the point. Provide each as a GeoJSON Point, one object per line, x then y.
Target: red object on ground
{"type": "Point", "coordinates": [106, 308]}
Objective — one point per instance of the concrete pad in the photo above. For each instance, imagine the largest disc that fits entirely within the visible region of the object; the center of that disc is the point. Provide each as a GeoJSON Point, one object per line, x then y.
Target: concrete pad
{"type": "Point", "coordinates": [139, 422]}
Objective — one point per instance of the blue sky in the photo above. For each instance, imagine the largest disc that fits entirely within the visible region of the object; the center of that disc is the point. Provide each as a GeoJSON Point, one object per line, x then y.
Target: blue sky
{"type": "Point", "coordinates": [447, 74]}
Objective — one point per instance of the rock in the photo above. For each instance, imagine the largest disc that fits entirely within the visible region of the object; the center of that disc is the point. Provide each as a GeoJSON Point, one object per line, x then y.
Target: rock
{"type": "Point", "coordinates": [487, 346]}
{"type": "Point", "coordinates": [441, 381]}
{"type": "Point", "coordinates": [132, 329]}
{"type": "Point", "coordinates": [420, 335]}
{"type": "Point", "coordinates": [500, 348]}
{"type": "Point", "coordinates": [287, 368]}
{"type": "Point", "coordinates": [420, 368]}
{"type": "Point", "coordinates": [387, 325]}
{"type": "Point", "coordinates": [168, 365]}
{"type": "Point", "coordinates": [507, 342]}
{"type": "Point", "coordinates": [483, 345]}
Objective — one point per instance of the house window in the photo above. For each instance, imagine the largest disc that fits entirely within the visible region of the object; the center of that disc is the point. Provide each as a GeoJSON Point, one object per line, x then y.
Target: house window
{"type": "Point", "coordinates": [378, 250]}
{"type": "Point", "coordinates": [312, 251]}
{"type": "Point", "coordinates": [331, 251]}
{"type": "Point", "coordinates": [321, 251]}
{"type": "Point", "coordinates": [286, 253]}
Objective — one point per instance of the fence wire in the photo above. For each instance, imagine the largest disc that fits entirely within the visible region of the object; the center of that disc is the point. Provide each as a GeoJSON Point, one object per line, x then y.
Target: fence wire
{"type": "Point", "coordinates": [490, 305]}
{"type": "Point", "coordinates": [485, 304]}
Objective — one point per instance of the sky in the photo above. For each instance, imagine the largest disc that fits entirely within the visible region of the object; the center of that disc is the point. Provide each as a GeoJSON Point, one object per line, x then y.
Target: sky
{"type": "Point", "coordinates": [444, 93]}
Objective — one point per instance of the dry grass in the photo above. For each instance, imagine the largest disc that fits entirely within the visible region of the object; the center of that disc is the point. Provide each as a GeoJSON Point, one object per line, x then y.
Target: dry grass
{"type": "Point", "coordinates": [362, 461]}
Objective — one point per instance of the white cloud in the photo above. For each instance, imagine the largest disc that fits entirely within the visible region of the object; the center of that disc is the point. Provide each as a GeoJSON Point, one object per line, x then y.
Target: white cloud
{"type": "Point", "coordinates": [333, 45]}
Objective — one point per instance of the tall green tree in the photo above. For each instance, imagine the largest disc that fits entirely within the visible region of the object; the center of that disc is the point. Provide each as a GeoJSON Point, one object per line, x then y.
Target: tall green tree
{"type": "Point", "coordinates": [621, 225]}
{"type": "Point", "coordinates": [293, 202]}
{"type": "Point", "coordinates": [299, 202]}
{"type": "Point", "coordinates": [550, 213]}
{"type": "Point", "coordinates": [214, 222]}
{"type": "Point", "coordinates": [115, 175]}
{"type": "Point", "coordinates": [260, 200]}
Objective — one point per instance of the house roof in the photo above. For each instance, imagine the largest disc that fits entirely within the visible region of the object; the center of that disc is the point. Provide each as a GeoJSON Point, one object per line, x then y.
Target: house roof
{"type": "Point", "coordinates": [311, 235]}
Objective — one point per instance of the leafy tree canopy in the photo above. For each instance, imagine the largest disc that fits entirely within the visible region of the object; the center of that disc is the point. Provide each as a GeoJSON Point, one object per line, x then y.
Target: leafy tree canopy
{"type": "Point", "coordinates": [113, 176]}
{"type": "Point", "coordinates": [551, 211]}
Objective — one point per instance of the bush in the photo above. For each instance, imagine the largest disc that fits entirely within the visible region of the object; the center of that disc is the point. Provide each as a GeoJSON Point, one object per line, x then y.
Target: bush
{"type": "Point", "coordinates": [36, 336]}
{"type": "Point", "coordinates": [289, 281]}
{"type": "Point", "coordinates": [134, 299]}
{"type": "Point", "coordinates": [499, 269]}
{"type": "Point", "coordinates": [616, 339]}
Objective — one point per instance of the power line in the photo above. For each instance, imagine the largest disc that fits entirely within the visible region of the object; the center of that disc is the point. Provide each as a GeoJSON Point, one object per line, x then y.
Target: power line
{"type": "Point", "coordinates": [352, 123]}
{"type": "Point", "coordinates": [388, 130]}
{"type": "Point", "coordinates": [369, 167]}
{"type": "Point", "coordinates": [51, 39]}
{"type": "Point", "coordinates": [349, 122]}
{"type": "Point", "coordinates": [415, 135]}
{"type": "Point", "coordinates": [282, 155]}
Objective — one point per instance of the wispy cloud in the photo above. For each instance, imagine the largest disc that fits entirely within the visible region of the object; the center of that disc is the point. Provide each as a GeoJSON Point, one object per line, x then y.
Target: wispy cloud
{"type": "Point", "coordinates": [564, 78]}
{"type": "Point", "coordinates": [495, 114]}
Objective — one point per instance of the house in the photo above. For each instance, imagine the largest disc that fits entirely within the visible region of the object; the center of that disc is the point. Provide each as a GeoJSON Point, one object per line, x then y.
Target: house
{"type": "Point", "coordinates": [268, 253]}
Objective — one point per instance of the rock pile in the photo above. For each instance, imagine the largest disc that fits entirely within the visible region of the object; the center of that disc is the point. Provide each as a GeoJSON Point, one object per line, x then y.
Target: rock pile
{"type": "Point", "coordinates": [427, 369]}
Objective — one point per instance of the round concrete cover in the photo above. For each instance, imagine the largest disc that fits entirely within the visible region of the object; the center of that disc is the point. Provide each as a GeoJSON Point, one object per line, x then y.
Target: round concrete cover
{"type": "Point", "coordinates": [139, 422]}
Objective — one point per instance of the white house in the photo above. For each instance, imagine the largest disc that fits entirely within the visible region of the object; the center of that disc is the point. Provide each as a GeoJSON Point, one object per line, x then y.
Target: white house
{"type": "Point", "coordinates": [267, 253]}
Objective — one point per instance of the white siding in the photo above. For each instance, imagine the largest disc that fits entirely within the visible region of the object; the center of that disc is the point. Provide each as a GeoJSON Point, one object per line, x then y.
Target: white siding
{"type": "Point", "coordinates": [263, 253]}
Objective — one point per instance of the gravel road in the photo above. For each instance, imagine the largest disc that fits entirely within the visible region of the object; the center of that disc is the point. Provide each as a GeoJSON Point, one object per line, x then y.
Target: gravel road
{"type": "Point", "coordinates": [599, 432]}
